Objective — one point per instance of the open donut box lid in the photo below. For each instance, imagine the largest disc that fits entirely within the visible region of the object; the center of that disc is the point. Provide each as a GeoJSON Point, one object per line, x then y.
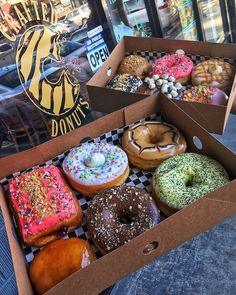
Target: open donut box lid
{"type": "Point", "coordinates": [173, 231]}
{"type": "Point", "coordinates": [212, 117]}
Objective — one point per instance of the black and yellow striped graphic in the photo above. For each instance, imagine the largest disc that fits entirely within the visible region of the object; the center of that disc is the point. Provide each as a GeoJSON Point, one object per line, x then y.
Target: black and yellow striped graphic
{"type": "Point", "coordinates": [35, 46]}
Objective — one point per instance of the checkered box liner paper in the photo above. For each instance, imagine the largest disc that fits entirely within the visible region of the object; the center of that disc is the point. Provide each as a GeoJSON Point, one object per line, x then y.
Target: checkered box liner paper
{"type": "Point", "coordinates": [196, 59]}
{"type": "Point", "coordinates": [136, 178]}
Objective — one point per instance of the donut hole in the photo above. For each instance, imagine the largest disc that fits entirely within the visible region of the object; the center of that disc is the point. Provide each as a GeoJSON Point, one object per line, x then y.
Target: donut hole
{"type": "Point", "coordinates": [149, 248]}
{"type": "Point", "coordinates": [125, 219]}
{"type": "Point", "coordinates": [154, 139]}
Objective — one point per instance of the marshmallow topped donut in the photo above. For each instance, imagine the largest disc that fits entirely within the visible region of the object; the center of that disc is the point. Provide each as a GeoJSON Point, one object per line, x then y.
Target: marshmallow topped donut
{"type": "Point", "coordinates": [176, 65]}
{"type": "Point", "coordinates": [93, 167]}
{"type": "Point", "coordinates": [149, 143]}
{"type": "Point", "coordinates": [214, 72]}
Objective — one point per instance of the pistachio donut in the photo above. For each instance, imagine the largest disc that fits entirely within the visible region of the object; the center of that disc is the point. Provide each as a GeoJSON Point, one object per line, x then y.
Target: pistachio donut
{"type": "Point", "coordinates": [149, 143]}
{"type": "Point", "coordinates": [93, 167]}
{"type": "Point", "coordinates": [184, 178]}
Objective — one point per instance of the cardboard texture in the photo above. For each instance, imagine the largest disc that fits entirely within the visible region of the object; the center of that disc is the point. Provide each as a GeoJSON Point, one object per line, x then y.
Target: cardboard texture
{"type": "Point", "coordinates": [173, 231]}
{"type": "Point", "coordinates": [211, 117]}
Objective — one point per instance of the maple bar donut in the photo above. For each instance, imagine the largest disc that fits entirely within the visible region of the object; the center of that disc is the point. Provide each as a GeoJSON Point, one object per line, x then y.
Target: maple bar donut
{"type": "Point", "coordinates": [149, 143]}
{"type": "Point", "coordinates": [205, 94]}
{"type": "Point", "coordinates": [58, 260]}
{"type": "Point", "coordinates": [175, 65]}
{"type": "Point", "coordinates": [214, 72]}
{"type": "Point", "coordinates": [44, 205]}
{"type": "Point", "coordinates": [135, 65]}
{"type": "Point", "coordinates": [93, 167]}
{"type": "Point", "coordinates": [183, 179]}
{"type": "Point", "coordinates": [118, 215]}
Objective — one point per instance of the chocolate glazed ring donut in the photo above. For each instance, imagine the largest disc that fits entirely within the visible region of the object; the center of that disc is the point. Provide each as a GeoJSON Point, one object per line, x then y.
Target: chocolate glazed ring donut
{"type": "Point", "coordinates": [118, 215]}
{"type": "Point", "coordinates": [149, 143]}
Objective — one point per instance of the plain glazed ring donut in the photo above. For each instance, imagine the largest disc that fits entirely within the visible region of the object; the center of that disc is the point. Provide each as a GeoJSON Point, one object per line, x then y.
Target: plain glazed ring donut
{"type": "Point", "coordinates": [176, 65]}
{"type": "Point", "coordinates": [149, 143]}
{"type": "Point", "coordinates": [118, 215]}
{"type": "Point", "coordinates": [183, 179]}
{"type": "Point", "coordinates": [92, 167]}
{"type": "Point", "coordinates": [214, 72]}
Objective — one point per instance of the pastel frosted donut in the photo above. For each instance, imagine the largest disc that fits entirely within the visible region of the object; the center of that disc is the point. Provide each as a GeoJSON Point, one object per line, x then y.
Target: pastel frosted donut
{"type": "Point", "coordinates": [183, 179]}
{"type": "Point", "coordinates": [118, 215]}
{"type": "Point", "coordinates": [175, 65]}
{"type": "Point", "coordinates": [205, 94]}
{"type": "Point", "coordinates": [214, 72]}
{"type": "Point", "coordinates": [93, 167]}
{"type": "Point", "coordinates": [149, 143]}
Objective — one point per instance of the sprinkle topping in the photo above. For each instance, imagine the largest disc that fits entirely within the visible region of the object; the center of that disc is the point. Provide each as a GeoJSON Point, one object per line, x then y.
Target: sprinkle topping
{"type": "Point", "coordinates": [75, 164]}
{"type": "Point", "coordinates": [41, 200]}
{"type": "Point", "coordinates": [176, 65]}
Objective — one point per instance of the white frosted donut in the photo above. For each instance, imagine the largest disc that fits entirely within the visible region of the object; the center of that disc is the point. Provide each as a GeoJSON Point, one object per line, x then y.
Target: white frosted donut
{"type": "Point", "coordinates": [93, 166]}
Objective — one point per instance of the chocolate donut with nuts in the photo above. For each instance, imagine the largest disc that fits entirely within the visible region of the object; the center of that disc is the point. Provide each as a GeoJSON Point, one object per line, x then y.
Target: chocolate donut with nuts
{"type": "Point", "coordinates": [119, 214]}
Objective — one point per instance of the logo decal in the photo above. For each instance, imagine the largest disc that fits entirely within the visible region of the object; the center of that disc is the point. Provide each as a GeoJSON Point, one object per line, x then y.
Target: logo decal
{"type": "Point", "coordinates": [53, 98]}
{"type": "Point", "coordinates": [43, 76]}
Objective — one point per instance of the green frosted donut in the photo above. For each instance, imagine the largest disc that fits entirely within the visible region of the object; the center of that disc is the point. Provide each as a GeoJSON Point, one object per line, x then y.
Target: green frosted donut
{"type": "Point", "coordinates": [184, 178]}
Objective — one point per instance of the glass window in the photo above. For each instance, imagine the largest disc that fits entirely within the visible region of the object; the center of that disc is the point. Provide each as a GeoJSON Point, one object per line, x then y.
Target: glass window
{"type": "Point", "coordinates": [211, 18]}
{"type": "Point", "coordinates": [4, 47]}
{"type": "Point", "coordinates": [177, 19]}
{"type": "Point", "coordinates": [11, 79]}
{"type": "Point", "coordinates": [127, 18]}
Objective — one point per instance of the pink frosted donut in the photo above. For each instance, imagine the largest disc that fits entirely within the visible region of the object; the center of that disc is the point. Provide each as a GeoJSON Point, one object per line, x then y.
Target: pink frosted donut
{"type": "Point", "coordinates": [176, 65]}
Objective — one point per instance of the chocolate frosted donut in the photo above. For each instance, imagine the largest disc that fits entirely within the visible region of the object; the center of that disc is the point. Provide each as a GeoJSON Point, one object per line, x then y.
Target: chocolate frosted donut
{"type": "Point", "coordinates": [118, 215]}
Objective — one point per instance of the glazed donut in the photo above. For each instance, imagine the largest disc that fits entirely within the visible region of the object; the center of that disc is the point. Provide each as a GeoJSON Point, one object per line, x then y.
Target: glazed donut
{"type": "Point", "coordinates": [176, 65]}
{"type": "Point", "coordinates": [149, 143]}
{"type": "Point", "coordinates": [214, 72]}
{"type": "Point", "coordinates": [183, 179]}
{"type": "Point", "coordinates": [118, 215]}
{"type": "Point", "coordinates": [205, 94]}
{"type": "Point", "coordinates": [125, 82]}
{"type": "Point", "coordinates": [135, 65]}
{"type": "Point", "coordinates": [92, 167]}
{"type": "Point", "coordinates": [58, 260]}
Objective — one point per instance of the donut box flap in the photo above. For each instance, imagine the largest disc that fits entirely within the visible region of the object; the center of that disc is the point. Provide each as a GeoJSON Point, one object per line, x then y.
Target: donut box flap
{"type": "Point", "coordinates": [212, 117]}
{"type": "Point", "coordinates": [173, 231]}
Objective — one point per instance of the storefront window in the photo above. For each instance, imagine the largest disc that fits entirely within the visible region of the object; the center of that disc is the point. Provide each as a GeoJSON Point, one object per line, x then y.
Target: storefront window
{"type": "Point", "coordinates": [211, 18]}
{"type": "Point", "coordinates": [177, 19]}
{"type": "Point", "coordinates": [127, 18]}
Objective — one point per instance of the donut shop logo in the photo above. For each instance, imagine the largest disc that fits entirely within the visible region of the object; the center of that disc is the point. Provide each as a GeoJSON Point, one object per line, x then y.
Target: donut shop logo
{"type": "Point", "coordinates": [59, 99]}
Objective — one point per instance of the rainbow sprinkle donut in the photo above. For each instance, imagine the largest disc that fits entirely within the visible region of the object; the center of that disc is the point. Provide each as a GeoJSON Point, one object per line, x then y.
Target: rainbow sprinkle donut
{"type": "Point", "coordinates": [93, 167]}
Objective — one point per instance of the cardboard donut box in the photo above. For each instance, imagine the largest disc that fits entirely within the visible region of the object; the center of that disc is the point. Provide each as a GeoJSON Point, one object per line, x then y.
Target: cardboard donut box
{"type": "Point", "coordinates": [211, 117]}
{"type": "Point", "coordinates": [168, 234]}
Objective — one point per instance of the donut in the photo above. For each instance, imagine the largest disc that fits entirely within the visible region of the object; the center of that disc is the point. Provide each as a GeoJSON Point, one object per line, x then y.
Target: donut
{"type": "Point", "coordinates": [183, 179]}
{"type": "Point", "coordinates": [135, 65]}
{"type": "Point", "coordinates": [167, 85]}
{"type": "Point", "coordinates": [125, 82]}
{"type": "Point", "coordinates": [118, 215]}
{"type": "Point", "coordinates": [44, 206]}
{"type": "Point", "coordinates": [214, 72]}
{"type": "Point", "coordinates": [149, 143]}
{"type": "Point", "coordinates": [58, 260]}
{"type": "Point", "coordinates": [92, 167]}
{"type": "Point", "coordinates": [176, 65]}
{"type": "Point", "coordinates": [205, 94]}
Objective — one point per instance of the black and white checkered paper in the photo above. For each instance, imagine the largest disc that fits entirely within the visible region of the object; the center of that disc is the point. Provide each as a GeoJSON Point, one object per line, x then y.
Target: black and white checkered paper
{"type": "Point", "coordinates": [136, 178]}
{"type": "Point", "coordinates": [196, 59]}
